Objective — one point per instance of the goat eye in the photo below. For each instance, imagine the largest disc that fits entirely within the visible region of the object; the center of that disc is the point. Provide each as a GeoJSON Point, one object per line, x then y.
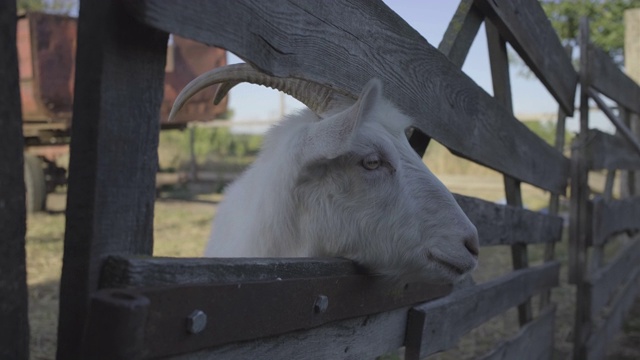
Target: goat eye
{"type": "Point", "coordinates": [371, 162]}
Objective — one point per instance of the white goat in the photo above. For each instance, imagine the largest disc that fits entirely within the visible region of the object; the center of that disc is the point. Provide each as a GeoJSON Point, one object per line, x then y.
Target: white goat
{"type": "Point", "coordinates": [342, 182]}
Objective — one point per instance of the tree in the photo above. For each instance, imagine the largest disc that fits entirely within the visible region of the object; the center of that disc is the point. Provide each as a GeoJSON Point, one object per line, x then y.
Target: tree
{"type": "Point", "coordinates": [55, 6]}
{"type": "Point", "coordinates": [605, 21]}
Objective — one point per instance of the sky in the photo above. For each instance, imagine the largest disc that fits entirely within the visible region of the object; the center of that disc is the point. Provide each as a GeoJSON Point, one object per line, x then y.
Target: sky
{"type": "Point", "coordinates": [430, 18]}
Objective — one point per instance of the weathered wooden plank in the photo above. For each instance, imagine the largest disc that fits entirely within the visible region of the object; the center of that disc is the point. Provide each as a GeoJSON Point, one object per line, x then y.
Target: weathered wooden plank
{"type": "Point", "coordinates": [534, 341]}
{"type": "Point", "coordinates": [579, 222]}
{"type": "Point", "coordinates": [621, 127]}
{"type": "Point", "coordinates": [614, 216]}
{"type": "Point", "coordinates": [525, 25]}
{"type": "Point", "coordinates": [606, 151]}
{"type": "Point", "coordinates": [237, 315]}
{"type": "Point", "coordinates": [113, 163]}
{"type": "Point", "coordinates": [605, 333]}
{"type": "Point", "coordinates": [604, 282]}
{"type": "Point", "coordinates": [608, 79]}
{"type": "Point", "coordinates": [502, 93]}
{"type": "Point", "coordinates": [461, 32]}
{"type": "Point", "coordinates": [448, 318]}
{"type": "Point", "coordinates": [14, 326]}
{"type": "Point", "coordinates": [119, 271]}
{"type": "Point", "coordinates": [507, 225]}
{"type": "Point", "coordinates": [347, 43]}
{"type": "Point", "coordinates": [455, 45]}
{"type": "Point", "coordinates": [361, 338]}
{"type": "Point", "coordinates": [554, 200]}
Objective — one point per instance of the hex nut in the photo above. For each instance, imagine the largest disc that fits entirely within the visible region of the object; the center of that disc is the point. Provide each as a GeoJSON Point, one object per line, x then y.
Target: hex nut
{"type": "Point", "coordinates": [321, 304]}
{"type": "Point", "coordinates": [196, 322]}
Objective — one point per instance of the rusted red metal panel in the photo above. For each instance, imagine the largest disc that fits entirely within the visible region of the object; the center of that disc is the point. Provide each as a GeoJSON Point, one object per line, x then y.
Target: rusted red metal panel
{"type": "Point", "coordinates": [187, 59]}
{"type": "Point", "coordinates": [47, 48]}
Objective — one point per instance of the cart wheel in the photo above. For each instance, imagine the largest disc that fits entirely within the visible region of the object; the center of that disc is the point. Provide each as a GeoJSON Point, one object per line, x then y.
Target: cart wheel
{"type": "Point", "coordinates": [36, 187]}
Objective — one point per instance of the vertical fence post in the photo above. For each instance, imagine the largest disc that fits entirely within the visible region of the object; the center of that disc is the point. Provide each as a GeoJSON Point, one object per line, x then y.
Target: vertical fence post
{"type": "Point", "coordinates": [14, 327]}
{"type": "Point", "coordinates": [632, 68]}
{"type": "Point", "coordinates": [502, 93]}
{"type": "Point", "coordinates": [113, 164]}
{"type": "Point", "coordinates": [579, 203]}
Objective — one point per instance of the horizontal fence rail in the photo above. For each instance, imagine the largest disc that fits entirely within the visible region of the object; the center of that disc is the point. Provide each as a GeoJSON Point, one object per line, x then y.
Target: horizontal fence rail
{"type": "Point", "coordinates": [316, 308]}
{"type": "Point", "coordinates": [437, 325]}
{"type": "Point", "coordinates": [605, 151]}
{"type": "Point", "coordinates": [464, 117]}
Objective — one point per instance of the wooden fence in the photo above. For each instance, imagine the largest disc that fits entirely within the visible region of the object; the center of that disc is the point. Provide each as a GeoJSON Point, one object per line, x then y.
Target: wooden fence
{"type": "Point", "coordinates": [605, 290]}
{"type": "Point", "coordinates": [117, 302]}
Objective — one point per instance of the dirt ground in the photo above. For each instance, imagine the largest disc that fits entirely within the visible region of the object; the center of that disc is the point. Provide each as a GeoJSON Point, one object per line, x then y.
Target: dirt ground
{"type": "Point", "coordinates": [182, 223]}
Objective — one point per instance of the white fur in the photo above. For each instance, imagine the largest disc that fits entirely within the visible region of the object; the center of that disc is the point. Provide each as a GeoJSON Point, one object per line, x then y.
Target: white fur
{"type": "Point", "coordinates": [309, 194]}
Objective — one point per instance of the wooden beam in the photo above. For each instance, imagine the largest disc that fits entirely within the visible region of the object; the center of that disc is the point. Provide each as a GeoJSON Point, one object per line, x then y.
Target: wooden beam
{"type": "Point", "coordinates": [502, 93]}
{"type": "Point", "coordinates": [603, 335]}
{"type": "Point", "coordinates": [361, 40]}
{"type": "Point", "coordinates": [461, 32]}
{"type": "Point", "coordinates": [606, 280]}
{"type": "Point", "coordinates": [525, 25]}
{"type": "Point", "coordinates": [14, 326]}
{"type": "Point", "coordinates": [113, 163]}
{"type": "Point", "coordinates": [455, 45]}
{"type": "Point", "coordinates": [534, 340]}
{"type": "Point", "coordinates": [144, 271]}
{"type": "Point", "coordinates": [445, 320]}
{"type": "Point", "coordinates": [256, 309]}
{"type": "Point", "coordinates": [614, 216]}
{"type": "Point", "coordinates": [605, 151]}
{"type": "Point", "coordinates": [509, 225]}
{"type": "Point", "coordinates": [619, 124]}
{"type": "Point", "coordinates": [608, 78]}
{"type": "Point", "coordinates": [579, 208]}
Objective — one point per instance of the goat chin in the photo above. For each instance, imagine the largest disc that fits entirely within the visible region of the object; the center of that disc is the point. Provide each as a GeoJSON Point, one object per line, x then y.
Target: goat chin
{"type": "Point", "coordinates": [347, 183]}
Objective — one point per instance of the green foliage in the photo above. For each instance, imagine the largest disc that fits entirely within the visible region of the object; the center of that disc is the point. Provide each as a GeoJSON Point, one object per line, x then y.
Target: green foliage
{"type": "Point", "coordinates": [605, 20]}
{"type": "Point", "coordinates": [210, 145]}
{"type": "Point", "coordinates": [546, 130]}
{"type": "Point", "coordinates": [55, 6]}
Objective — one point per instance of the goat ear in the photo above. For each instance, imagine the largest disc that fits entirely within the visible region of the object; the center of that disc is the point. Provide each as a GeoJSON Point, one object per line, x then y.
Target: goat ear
{"type": "Point", "coordinates": [332, 136]}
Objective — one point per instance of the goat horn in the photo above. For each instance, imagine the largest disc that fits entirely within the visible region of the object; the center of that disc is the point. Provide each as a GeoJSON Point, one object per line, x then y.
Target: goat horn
{"type": "Point", "coordinates": [317, 97]}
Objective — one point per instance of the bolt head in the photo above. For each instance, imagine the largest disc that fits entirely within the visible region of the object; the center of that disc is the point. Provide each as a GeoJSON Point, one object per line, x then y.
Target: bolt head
{"type": "Point", "coordinates": [321, 304]}
{"type": "Point", "coordinates": [196, 322]}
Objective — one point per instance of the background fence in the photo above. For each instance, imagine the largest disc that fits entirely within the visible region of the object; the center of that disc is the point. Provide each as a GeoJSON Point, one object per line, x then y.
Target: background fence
{"type": "Point", "coordinates": [325, 308]}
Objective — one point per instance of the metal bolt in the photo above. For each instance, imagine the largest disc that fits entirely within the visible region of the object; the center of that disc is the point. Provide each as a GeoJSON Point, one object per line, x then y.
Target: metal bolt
{"type": "Point", "coordinates": [321, 304]}
{"type": "Point", "coordinates": [196, 322]}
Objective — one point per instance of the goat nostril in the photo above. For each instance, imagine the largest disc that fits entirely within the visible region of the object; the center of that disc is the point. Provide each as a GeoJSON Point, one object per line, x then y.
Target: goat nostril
{"type": "Point", "coordinates": [471, 243]}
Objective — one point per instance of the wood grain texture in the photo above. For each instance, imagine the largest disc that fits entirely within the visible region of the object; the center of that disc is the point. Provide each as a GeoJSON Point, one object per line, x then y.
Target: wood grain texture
{"type": "Point", "coordinates": [580, 223]}
{"type": "Point", "coordinates": [351, 41]}
{"type": "Point", "coordinates": [113, 161]}
{"type": "Point", "coordinates": [507, 225]}
{"type": "Point", "coordinates": [144, 271]}
{"type": "Point", "coordinates": [502, 93]}
{"type": "Point", "coordinates": [621, 127]}
{"type": "Point", "coordinates": [605, 151]}
{"type": "Point", "coordinates": [614, 216]}
{"type": "Point", "coordinates": [251, 310]}
{"type": "Point", "coordinates": [360, 338]}
{"type": "Point", "coordinates": [14, 326]}
{"type": "Point", "coordinates": [603, 335]}
{"type": "Point", "coordinates": [606, 280]}
{"type": "Point", "coordinates": [448, 318]}
{"type": "Point", "coordinates": [534, 341]}
{"type": "Point", "coordinates": [524, 24]}
{"type": "Point", "coordinates": [607, 78]}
